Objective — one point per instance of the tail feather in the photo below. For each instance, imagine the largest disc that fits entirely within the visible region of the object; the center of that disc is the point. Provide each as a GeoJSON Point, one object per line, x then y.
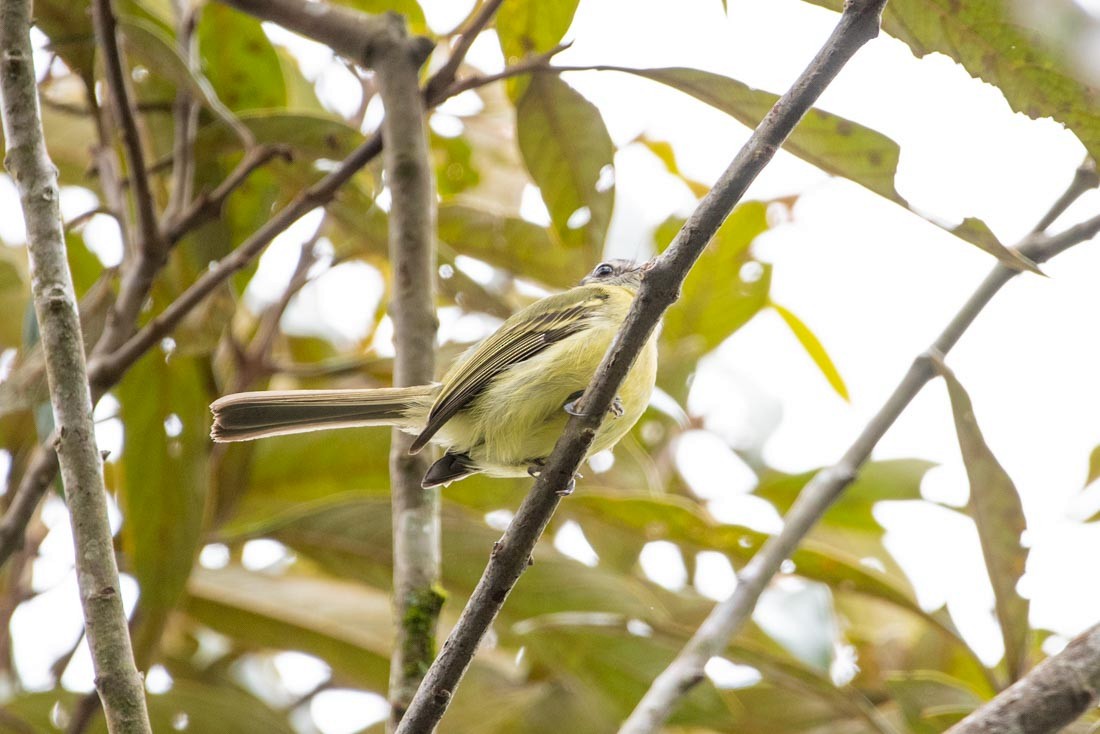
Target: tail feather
{"type": "Point", "coordinates": [248, 415]}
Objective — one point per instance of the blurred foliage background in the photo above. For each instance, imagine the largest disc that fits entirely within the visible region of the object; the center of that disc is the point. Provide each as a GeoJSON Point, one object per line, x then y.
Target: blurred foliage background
{"type": "Point", "coordinates": [244, 553]}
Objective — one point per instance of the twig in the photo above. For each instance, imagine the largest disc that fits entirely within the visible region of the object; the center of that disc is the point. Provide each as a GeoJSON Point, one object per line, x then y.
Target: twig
{"type": "Point", "coordinates": [117, 679]}
{"type": "Point", "coordinates": [255, 361]}
{"type": "Point", "coordinates": [529, 65]}
{"type": "Point", "coordinates": [449, 70]}
{"type": "Point", "coordinates": [150, 253]}
{"type": "Point", "coordinates": [1084, 178]}
{"type": "Point", "coordinates": [185, 112]}
{"type": "Point", "coordinates": [727, 617]}
{"type": "Point", "coordinates": [208, 206]}
{"type": "Point", "coordinates": [416, 525]}
{"type": "Point", "coordinates": [105, 370]}
{"type": "Point", "coordinates": [660, 288]}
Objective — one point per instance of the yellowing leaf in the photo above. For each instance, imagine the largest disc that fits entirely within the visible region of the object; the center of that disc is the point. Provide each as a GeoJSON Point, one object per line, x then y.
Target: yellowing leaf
{"type": "Point", "coordinates": [814, 348]}
{"type": "Point", "coordinates": [999, 516]}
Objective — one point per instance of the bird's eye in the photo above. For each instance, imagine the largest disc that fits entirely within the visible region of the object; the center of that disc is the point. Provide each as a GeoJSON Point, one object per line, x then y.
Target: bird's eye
{"type": "Point", "coordinates": [603, 270]}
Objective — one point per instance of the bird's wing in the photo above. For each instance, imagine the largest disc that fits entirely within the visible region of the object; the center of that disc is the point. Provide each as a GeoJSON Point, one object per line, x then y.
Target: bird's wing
{"type": "Point", "coordinates": [520, 337]}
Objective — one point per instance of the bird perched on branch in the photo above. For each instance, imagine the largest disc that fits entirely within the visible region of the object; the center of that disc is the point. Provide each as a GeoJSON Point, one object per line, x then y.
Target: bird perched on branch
{"type": "Point", "coordinates": [501, 407]}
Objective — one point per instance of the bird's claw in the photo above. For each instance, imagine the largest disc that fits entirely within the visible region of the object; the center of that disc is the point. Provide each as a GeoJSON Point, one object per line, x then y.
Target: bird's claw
{"type": "Point", "coordinates": [617, 410]}
{"type": "Point", "coordinates": [568, 488]}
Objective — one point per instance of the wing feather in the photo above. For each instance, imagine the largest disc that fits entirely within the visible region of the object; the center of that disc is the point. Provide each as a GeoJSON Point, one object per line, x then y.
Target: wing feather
{"type": "Point", "coordinates": [520, 338]}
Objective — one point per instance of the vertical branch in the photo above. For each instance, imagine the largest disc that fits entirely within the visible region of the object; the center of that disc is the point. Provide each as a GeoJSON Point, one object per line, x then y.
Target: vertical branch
{"type": "Point", "coordinates": [185, 112]}
{"type": "Point", "coordinates": [149, 251]}
{"type": "Point", "coordinates": [117, 679]}
{"type": "Point", "coordinates": [858, 24]}
{"type": "Point", "coordinates": [408, 173]}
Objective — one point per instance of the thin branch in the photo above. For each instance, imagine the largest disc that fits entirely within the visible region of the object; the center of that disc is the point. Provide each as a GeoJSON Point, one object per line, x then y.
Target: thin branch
{"type": "Point", "coordinates": [151, 250]}
{"type": "Point", "coordinates": [209, 206]}
{"type": "Point", "coordinates": [185, 114]}
{"type": "Point", "coordinates": [660, 288]}
{"type": "Point", "coordinates": [1084, 179]}
{"type": "Point", "coordinates": [116, 677]}
{"type": "Point", "coordinates": [1052, 695]}
{"type": "Point", "coordinates": [105, 370]}
{"type": "Point", "coordinates": [462, 47]}
{"type": "Point", "coordinates": [529, 65]}
{"type": "Point", "coordinates": [820, 492]}
{"type": "Point", "coordinates": [256, 360]}
{"type": "Point", "coordinates": [416, 526]}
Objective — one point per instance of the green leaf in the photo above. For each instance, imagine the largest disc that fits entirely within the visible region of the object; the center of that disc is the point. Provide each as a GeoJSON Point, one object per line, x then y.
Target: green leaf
{"type": "Point", "coordinates": [616, 668]}
{"type": "Point", "coordinates": [681, 521]}
{"type": "Point", "coordinates": [314, 135]}
{"type": "Point", "coordinates": [511, 243]}
{"type": "Point", "coordinates": [833, 144]}
{"type": "Point", "coordinates": [569, 154]}
{"type": "Point", "coordinates": [347, 625]}
{"type": "Point", "coordinates": [931, 701]}
{"type": "Point", "coordinates": [68, 25]}
{"type": "Point", "coordinates": [238, 59]}
{"type": "Point", "coordinates": [999, 516]}
{"type": "Point", "coordinates": [453, 162]}
{"type": "Point", "coordinates": [147, 43]}
{"type": "Point", "coordinates": [202, 708]}
{"type": "Point", "coordinates": [292, 475]}
{"type": "Point", "coordinates": [893, 479]}
{"type": "Point", "coordinates": [986, 37]}
{"type": "Point", "coordinates": [532, 26]}
{"type": "Point", "coordinates": [725, 288]}
{"type": "Point", "coordinates": [814, 348]}
{"type": "Point", "coordinates": [163, 484]}
{"type": "Point", "coordinates": [352, 538]}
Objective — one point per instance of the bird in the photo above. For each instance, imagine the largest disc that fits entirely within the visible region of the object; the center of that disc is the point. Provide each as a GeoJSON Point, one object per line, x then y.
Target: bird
{"type": "Point", "coordinates": [500, 409]}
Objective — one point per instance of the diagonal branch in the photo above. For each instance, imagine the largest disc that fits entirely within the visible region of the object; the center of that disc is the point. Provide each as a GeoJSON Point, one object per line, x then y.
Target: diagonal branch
{"type": "Point", "coordinates": [727, 617]}
{"type": "Point", "coordinates": [207, 206]}
{"type": "Point", "coordinates": [106, 369]}
{"type": "Point", "coordinates": [116, 677]}
{"type": "Point", "coordinates": [415, 514]}
{"type": "Point", "coordinates": [660, 288]}
{"type": "Point", "coordinates": [1052, 695]}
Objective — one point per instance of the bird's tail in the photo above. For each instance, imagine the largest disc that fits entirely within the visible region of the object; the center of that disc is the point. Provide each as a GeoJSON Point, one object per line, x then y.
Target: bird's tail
{"type": "Point", "coordinates": [244, 416]}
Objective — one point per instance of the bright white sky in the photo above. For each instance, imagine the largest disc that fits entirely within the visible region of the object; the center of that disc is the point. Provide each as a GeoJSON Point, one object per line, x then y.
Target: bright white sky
{"type": "Point", "coordinates": [874, 282]}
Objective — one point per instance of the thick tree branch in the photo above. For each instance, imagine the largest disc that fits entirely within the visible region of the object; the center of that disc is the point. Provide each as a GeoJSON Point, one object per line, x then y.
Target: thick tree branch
{"type": "Point", "coordinates": [821, 491]}
{"type": "Point", "coordinates": [660, 288]}
{"type": "Point", "coordinates": [117, 679]}
{"type": "Point", "coordinates": [358, 36]}
{"type": "Point", "coordinates": [150, 249]}
{"type": "Point", "coordinates": [416, 531]}
{"type": "Point", "coordinates": [1052, 695]}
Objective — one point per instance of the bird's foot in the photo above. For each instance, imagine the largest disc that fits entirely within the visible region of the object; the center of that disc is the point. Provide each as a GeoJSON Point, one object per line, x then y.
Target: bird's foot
{"type": "Point", "coordinates": [536, 467]}
{"type": "Point", "coordinates": [616, 410]}
{"type": "Point", "coordinates": [568, 488]}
